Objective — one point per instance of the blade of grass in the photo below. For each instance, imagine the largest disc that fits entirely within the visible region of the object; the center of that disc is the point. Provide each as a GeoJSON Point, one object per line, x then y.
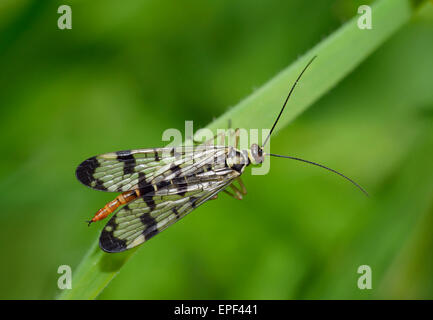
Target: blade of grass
{"type": "Point", "coordinates": [337, 55]}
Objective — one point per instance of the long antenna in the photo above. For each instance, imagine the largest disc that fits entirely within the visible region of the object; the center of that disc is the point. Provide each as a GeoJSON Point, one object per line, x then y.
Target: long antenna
{"type": "Point", "coordinates": [287, 99]}
{"type": "Point", "coordinates": [322, 166]}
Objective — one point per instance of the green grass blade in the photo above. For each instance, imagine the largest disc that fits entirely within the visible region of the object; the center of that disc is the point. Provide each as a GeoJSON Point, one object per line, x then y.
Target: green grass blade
{"type": "Point", "coordinates": [338, 55]}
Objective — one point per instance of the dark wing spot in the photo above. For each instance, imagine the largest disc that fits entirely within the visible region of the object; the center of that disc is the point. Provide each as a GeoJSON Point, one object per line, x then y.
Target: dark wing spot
{"type": "Point", "coordinates": [162, 184]}
{"type": "Point", "coordinates": [150, 229]}
{"type": "Point", "coordinates": [128, 161]}
{"type": "Point", "coordinates": [85, 170]}
{"type": "Point", "coordinates": [149, 202]}
{"type": "Point", "coordinates": [143, 185]}
{"type": "Point", "coordinates": [124, 155]}
{"type": "Point", "coordinates": [147, 219]}
{"type": "Point", "coordinates": [176, 213]}
{"type": "Point", "coordinates": [192, 201]}
{"type": "Point", "coordinates": [156, 156]}
{"type": "Point", "coordinates": [150, 233]}
{"type": "Point", "coordinates": [146, 190]}
{"type": "Point", "coordinates": [100, 185]}
{"type": "Point", "coordinates": [108, 242]}
{"type": "Point", "coordinates": [176, 169]}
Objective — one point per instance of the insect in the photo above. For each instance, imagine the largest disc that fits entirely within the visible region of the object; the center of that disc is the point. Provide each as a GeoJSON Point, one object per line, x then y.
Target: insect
{"type": "Point", "coordinates": [162, 185]}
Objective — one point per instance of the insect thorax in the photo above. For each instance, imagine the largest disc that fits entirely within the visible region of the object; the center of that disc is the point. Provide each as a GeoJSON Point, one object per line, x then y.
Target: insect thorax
{"type": "Point", "coordinates": [237, 159]}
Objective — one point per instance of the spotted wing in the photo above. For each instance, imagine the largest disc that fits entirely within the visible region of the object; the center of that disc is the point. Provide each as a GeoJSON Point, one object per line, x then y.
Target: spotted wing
{"type": "Point", "coordinates": [152, 213]}
{"type": "Point", "coordinates": [136, 169]}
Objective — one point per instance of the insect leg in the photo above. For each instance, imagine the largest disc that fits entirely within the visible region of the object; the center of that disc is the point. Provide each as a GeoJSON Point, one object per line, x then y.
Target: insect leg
{"type": "Point", "coordinates": [237, 136]}
{"type": "Point", "coordinates": [230, 194]}
{"type": "Point", "coordinates": [223, 138]}
{"type": "Point", "coordinates": [241, 184]}
{"type": "Point", "coordinates": [237, 193]}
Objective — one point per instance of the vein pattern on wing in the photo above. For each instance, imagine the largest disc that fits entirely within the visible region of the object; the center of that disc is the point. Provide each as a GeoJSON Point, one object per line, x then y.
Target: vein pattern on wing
{"type": "Point", "coordinates": [150, 214]}
{"type": "Point", "coordinates": [132, 169]}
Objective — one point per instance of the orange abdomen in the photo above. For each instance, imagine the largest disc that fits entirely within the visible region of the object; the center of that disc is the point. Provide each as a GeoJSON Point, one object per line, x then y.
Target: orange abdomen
{"type": "Point", "coordinates": [111, 206]}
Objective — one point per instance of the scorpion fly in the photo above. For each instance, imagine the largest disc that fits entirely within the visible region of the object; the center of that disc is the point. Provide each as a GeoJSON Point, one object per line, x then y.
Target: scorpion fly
{"type": "Point", "coordinates": [159, 186]}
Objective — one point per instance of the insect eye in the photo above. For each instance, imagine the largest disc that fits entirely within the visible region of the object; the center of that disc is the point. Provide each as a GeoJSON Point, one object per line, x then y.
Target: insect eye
{"type": "Point", "coordinates": [256, 153]}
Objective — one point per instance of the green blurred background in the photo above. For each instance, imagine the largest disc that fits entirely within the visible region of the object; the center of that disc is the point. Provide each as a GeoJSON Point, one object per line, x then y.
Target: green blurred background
{"type": "Point", "coordinates": [129, 70]}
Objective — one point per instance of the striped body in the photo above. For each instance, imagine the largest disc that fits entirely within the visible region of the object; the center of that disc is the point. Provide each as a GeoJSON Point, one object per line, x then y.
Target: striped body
{"type": "Point", "coordinates": [111, 206]}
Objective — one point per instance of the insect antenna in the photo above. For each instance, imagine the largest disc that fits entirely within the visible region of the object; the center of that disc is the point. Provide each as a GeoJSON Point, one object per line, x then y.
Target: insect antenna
{"type": "Point", "coordinates": [322, 166]}
{"type": "Point", "coordinates": [287, 99]}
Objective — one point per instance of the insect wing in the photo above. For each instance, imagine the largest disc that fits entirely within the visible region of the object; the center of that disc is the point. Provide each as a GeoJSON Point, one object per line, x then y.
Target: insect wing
{"type": "Point", "coordinates": [150, 214]}
{"type": "Point", "coordinates": [134, 169]}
